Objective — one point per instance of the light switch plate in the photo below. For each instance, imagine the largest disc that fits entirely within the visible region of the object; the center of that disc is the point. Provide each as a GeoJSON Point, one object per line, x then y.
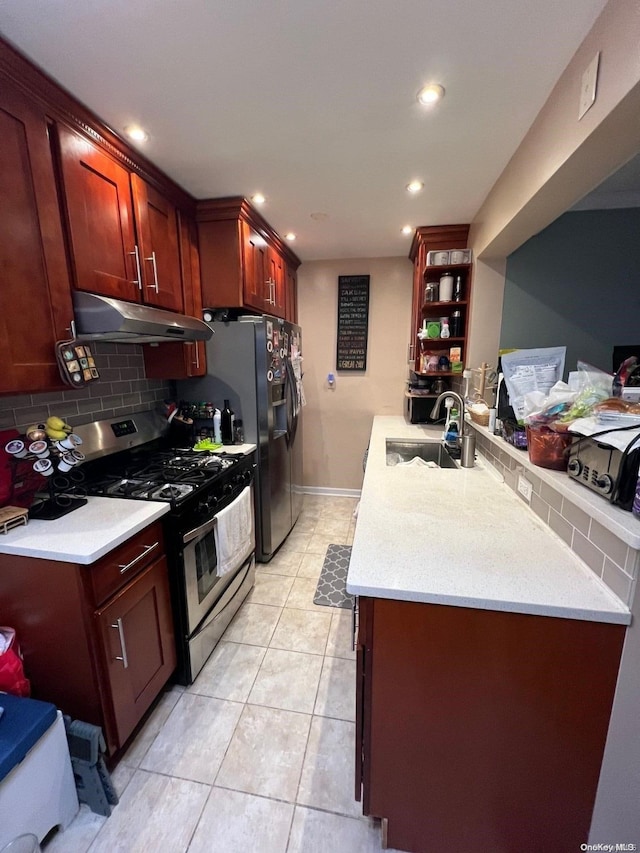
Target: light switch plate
{"type": "Point", "coordinates": [588, 86]}
{"type": "Point", "coordinates": [525, 488]}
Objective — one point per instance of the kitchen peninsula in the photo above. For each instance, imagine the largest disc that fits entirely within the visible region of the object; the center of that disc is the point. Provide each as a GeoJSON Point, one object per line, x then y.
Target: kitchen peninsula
{"type": "Point", "coordinates": [487, 660]}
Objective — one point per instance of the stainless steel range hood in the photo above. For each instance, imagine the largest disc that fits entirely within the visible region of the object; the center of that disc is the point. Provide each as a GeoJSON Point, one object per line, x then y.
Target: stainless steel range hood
{"type": "Point", "coordinates": [100, 318]}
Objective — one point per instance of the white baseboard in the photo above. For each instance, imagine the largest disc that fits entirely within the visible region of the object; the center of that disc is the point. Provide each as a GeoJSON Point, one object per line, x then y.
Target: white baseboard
{"type": "Point", "coordinates": [327, 490]}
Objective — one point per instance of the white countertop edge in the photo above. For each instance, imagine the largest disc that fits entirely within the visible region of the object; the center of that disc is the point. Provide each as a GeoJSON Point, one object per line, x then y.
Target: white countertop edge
{"type": "Point", "coordinates": [621, 616]}
{"type": "Point", "coordinates": [618, 521]}
{"type": "Point", "coordinates": [19, 545]}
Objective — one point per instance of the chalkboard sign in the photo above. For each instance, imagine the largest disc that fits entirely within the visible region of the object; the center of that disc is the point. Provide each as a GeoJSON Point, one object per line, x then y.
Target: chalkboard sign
{"type": "Point", "coordinates": [353, 322]}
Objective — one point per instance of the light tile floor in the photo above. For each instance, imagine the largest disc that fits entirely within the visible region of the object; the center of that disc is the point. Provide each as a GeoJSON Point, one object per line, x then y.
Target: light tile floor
{"type": "Point", "coordinates": [257, 754]}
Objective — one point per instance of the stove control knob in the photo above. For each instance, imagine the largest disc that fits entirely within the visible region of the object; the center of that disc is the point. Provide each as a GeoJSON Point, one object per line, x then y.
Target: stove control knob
{"type": "Point", "coordinates": [246, 476]}
{"type": "Point", "coordinates": [228, 489]}
{"type": "Point", "coordinates": [605, 484]}
{"type": "Point", "coordinates": [208, 504]}
{"type": "Point", "coordinates": [574, 467]}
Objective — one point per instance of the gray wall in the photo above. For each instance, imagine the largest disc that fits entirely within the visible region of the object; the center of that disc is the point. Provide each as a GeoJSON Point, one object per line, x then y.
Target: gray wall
{"type": "Point", "coordinates": [577, 283]}
{"type": "Point", "coordinates": [122, 389]}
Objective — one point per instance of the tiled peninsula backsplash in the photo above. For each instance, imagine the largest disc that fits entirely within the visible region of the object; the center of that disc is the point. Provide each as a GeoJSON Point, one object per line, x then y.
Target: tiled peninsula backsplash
{"type": "Point", "coordinates": [605, 553]}
{"type": "Point", "coordinates": [121, 390]}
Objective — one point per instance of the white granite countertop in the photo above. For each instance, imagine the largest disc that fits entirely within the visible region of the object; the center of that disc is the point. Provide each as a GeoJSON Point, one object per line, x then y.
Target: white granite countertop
{"type": "Point", "coordinates": [86, 534]}
{"type": "Point", "coordinates": [460, 537]}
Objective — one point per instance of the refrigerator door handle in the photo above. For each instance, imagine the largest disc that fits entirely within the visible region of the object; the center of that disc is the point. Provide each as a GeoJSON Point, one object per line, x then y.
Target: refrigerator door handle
{"type": "Point", "coordinates": [292, 398]}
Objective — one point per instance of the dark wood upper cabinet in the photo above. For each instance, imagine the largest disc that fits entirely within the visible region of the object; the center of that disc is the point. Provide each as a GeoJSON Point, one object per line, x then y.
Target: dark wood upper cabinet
{"type": "Point", "coordinates": [255, 290]}
{"type": "Point", "coordinates": [244, 262]}
{"type": "Point", "coordinates": [291, 294]}
{"type": "Point", "coordinates": [157, 224]}
{"type": "Point", "coordinates": [123, 232]}
{"type": "Point", "coordinates": [99, 211]}
{"type": "Point", "coordinates": [35, 297]}
{"type": "Point", "coordinates": [276, 284]}
{"type": "Point", "coordinates": [182, 361]}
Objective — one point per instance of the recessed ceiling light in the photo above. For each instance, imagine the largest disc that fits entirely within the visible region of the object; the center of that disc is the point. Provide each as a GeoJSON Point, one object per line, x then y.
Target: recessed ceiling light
{"type": "Point", "coordinates": [136, 133]}
{"type": "Point", "coordinates": [430, 94]}
{"type": "Point", "coordinates": [290, 236]}
{"type": "Point", "coordinates": [414, 186]}
{"type": "Point", "coordinates": [319, 217]}
{"type": "Point", "coordinates": [258, 198]}
{"type": "Point", "coordinates": [407, 229]}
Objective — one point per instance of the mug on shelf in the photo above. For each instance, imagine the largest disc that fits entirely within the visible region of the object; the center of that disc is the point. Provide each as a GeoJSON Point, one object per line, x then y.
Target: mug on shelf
{"type": "Point", "coordinates": [457, 256]}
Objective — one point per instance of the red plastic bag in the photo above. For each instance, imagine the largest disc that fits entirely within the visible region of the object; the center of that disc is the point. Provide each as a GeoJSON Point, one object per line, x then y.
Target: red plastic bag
{"type": "Point", "coordinates": [12, 677]}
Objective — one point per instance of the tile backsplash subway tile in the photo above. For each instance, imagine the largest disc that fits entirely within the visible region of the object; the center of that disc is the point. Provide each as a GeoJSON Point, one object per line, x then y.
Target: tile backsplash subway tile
{"type": "Point", "coordinates": [122, 389]}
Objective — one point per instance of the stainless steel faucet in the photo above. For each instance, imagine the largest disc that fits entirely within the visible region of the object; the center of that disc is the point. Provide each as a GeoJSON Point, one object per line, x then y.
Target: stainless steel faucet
{"type": "Point", "coordinates": [466, 439]}
{"type": "Point", "coordinates": [436, 407]}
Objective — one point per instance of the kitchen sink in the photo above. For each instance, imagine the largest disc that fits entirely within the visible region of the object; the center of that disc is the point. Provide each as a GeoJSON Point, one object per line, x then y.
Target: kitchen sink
{"type": "Point", "coordinates": [404, 450]}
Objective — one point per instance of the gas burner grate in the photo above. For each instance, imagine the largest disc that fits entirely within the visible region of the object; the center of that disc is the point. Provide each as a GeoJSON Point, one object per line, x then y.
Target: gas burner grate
{"type": "Point", "coordinates": [171, 491]}
{"type": "Point", "coordinates": [127, 488]}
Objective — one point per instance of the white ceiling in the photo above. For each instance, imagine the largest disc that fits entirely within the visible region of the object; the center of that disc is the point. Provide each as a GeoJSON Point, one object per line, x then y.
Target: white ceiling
{"type": "Point", "coordinates": [313, 102]}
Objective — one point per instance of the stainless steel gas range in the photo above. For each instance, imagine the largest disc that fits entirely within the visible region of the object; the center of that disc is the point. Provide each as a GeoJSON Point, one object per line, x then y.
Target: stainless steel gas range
{"type": "Point", "coordinates": [209, 529]}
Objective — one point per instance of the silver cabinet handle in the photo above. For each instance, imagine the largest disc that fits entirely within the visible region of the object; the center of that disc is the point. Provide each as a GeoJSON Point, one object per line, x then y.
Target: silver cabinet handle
{"type": "Point", "coordinates": [410, 352]}
{"type": "Point", "coordinates": [152, 258]}
{"type": "Point", "coordinates": [197, 351]}
{"type": "Point", "coordinates": [137, 559]}
{"type": "Point", "coordinates": [136, 254]}
{"type": "Point", "coordinates": [123, 647]}
{"type": "Point", "coordinates": [271, 299]}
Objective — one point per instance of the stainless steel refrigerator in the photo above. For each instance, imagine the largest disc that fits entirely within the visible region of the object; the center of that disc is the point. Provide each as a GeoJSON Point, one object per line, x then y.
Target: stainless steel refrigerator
{"type": "Point", "coordinates": [256, 364]}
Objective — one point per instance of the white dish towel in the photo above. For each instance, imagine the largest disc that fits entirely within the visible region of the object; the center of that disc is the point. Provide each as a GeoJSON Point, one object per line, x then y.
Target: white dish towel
{"type": "Point", "coordinates": [234, 532]}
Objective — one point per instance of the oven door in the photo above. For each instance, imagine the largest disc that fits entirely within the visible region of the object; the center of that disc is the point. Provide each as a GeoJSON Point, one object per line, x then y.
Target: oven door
{"type": "Point", "coordinates": [202, 585]}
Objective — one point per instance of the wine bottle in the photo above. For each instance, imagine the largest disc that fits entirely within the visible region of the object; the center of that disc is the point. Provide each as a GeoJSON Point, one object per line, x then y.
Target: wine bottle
{"type": "Point", "coordinates": [226, 423]}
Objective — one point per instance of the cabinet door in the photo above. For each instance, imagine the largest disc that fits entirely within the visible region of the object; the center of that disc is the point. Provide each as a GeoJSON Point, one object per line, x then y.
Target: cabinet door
{"type": "Point", "coordinates": [136, 634]}
{"type": "Point", "coordinates": [35, 293]}
{"type": "Point", "coordinates": [182, 361]}
{"type": "Point", "coordinates": [291, 294]}
{"type": "Point", "coordinates": [256, 270]}
{"type": "Point", "coordinates": [276, 284]}
{"type": "Point", "coordinates": [195, 352]}
{"type": "Point", "coordinates": [157, 227]}
{"type": "Point", "coordinates": [100, 219]}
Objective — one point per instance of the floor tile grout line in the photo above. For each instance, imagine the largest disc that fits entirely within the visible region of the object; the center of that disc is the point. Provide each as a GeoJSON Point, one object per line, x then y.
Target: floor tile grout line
{"type": "Point", "coordinates": [197, 823]}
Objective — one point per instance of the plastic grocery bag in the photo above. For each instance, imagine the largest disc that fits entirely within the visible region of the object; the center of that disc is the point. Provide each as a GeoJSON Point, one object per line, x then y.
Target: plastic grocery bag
{"type": "Point", "coordinates": [12, 677]}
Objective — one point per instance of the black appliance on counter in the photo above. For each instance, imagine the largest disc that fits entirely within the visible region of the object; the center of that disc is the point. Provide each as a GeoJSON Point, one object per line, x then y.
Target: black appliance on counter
{"type": "Point", "coordinates": [606, 470]}
{"type": "Point", "coordinates": [132, 458]}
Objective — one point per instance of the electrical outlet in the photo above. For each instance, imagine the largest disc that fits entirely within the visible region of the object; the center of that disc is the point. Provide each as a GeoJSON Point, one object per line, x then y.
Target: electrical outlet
{"type": "Point", "coordinates": [525, 488]}
{"type": "Point", "coordinates": [588, 86]}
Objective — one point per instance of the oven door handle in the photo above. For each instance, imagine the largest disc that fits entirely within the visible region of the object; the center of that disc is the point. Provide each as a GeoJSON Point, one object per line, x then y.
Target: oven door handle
{"type": "Point", "coordinates": [215, 615]}
{"type": "Point", "coordinates": [197, 532]}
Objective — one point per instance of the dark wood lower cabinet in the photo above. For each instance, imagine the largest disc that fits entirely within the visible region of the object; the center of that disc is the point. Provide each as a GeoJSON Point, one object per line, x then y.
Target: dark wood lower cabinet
{"type": "Point", "coordinates": [481, 730]}
{"type": "Point", "coordinates": [97, 640]}
{"type": "Point", "coordinates": [136, 631]}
